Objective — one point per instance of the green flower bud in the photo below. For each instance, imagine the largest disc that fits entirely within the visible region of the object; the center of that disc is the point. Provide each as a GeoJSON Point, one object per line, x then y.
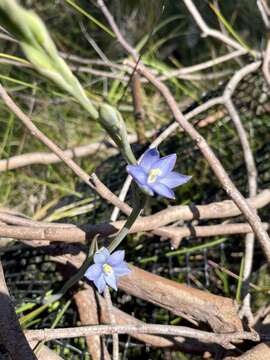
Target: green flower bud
{"type": "Point", "coordinates": [113, 123]}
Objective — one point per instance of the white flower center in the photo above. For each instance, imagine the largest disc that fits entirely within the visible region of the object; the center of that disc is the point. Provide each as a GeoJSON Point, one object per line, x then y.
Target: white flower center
{"type": "Point", "coordinates": [153, 174]}
{"type": "Point", "coordinates": [108, 270]}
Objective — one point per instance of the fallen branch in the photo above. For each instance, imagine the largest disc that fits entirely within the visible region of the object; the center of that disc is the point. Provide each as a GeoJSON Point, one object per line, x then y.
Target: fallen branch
{"type": "Point", "coordinates": [176, 234]}
{"type": "Point", "coordinates": [35, 230]}
{"type": "Point", "coordinates": [225, 340]}
{"type": "Point", "coordinates": [123, 318]}
{"type": "Point", "coordinates": [44, 158]}
{"type": "Point", "coordinates": [86, 233]}
{"type": "Point", "coordinates": [204, 65]}
{"type": "Point", "coordinates": [192, 304]}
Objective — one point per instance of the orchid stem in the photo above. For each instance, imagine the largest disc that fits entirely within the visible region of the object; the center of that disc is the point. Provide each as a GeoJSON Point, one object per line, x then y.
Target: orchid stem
{"type": "Point", "coordinates": [75, 278]}
{"type": "Point", "coordinates": [138, 206]}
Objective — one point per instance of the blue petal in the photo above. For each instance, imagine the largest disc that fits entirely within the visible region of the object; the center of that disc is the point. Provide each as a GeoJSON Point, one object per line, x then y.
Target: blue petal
{"type": "Point", "coordinates": [162, 190]}
{"type": "Point", "coordinates": [101, 256]}
{"type": "Point", "coordinates": [111, 280]}
{"type": "Point", "coordinates": [100, 283]}
{"type": "Point", "coordinates": [116, 258]}
{"type": "Point", "coordinates": [122, 269]}
{"type": "Point", "coordinates": [174, 179]}
{"type": "Point", "coordinates": [138, 173]}
{"type": "Point", "coordinates": [149, 158]}
{"type": "Point", "coordinates": [93, 272]}
{"type": "Point", "coordinates": [147, 189]}
{"type": "Point", "coordinates": [165, 164]}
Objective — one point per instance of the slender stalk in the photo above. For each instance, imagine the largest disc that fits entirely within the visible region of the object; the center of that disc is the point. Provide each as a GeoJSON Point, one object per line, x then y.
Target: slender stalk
{"type": "Point", "coordinates": [139, 205]}
{"type": "Point", "coordinates": [112, 319]}
{"type": "Point", "coordinates": [73, 280]}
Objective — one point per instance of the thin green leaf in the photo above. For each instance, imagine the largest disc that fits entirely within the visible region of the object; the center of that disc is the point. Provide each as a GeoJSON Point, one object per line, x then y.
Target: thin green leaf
{"type": "Point", "coordinates": [230, 28]}
{"type": "Point", "coordinates": [90, 17]}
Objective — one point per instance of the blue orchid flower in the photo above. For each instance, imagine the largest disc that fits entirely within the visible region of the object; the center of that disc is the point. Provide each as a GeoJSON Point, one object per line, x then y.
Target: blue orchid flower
{"type": "Point", "coordinates": [107, 268]}
{"type": "Point", "coordinates": [155, 176]}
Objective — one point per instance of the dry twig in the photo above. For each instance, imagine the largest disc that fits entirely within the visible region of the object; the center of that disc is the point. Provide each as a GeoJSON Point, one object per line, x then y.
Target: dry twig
{"type": "Point", "coordinates": [252, 177]}
{"type": "Point", "coordinates": [89, 315]}
{"type": "Point", "coordinates": [207, 31]}
{"type": "Point", "coordinates": [123, 318]}
{"type": "Point", "coordinates": [26, 229]}
{"type": "Point", "coordinates": [207, 64]}
{"type": "Point", "coordinates": [112, 322]}
{"type": "Point", "coordinates": [138, 108]}
{"type": "Point", "coordinates": [225, 340]}
{"type": "Point", "coordinates": [176, 234]}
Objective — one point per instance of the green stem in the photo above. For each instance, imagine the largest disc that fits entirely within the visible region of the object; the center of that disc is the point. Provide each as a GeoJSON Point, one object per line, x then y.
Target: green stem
{"type": "Point", "coordinates": [240, 281]}
{"type": "Point", "coordinates": [128, 153]}
{"type": "Point", "coordinates": [139, 205]}
{"type": "Point", "coordinates": [79, 93]}
{"type": "Point", "coordinates": [73, 280]}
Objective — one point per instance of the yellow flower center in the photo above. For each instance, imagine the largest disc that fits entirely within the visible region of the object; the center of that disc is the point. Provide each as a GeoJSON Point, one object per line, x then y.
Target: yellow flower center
{"type": "Point", "coordinates": [153, 174]}
{"type": "Point", "coordinates": [107, 269]}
